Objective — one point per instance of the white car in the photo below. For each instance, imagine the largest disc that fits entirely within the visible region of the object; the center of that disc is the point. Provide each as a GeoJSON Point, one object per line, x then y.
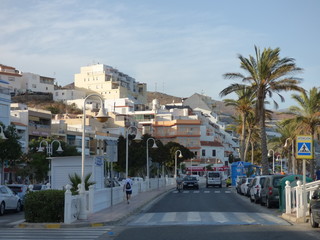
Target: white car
{"type": "Point", "coordinates": [9, 200]}
{"type": "Point", "coordinates": [255, 191]}
{"type": "Point", "coordinates": [244, 186]}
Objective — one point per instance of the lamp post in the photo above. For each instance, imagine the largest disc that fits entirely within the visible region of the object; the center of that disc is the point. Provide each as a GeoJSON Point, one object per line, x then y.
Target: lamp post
{"type": "Point", "coordinates": [2, 134]}
{"type": "Point", "coordinates": [292, 153]}
{"type": "Point", "coordinates": [271, 150]}
{"type": "Point", "coordinates": [101, 117]}
{"type": "Point", "coordinates": [175, 162]}
{"type": "Point", "coordinates": [49, 147]}
{"type": "Point", "coordinates": [278, 158]}
{"type": "Point", "coordinates": [154, 146]}
{"type": "Point", "coordinates": [127, 146]}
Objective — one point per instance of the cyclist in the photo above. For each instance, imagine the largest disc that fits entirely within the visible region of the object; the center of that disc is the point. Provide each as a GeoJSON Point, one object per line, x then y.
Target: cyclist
{"type": "Point", "coordinates": [179, 181]}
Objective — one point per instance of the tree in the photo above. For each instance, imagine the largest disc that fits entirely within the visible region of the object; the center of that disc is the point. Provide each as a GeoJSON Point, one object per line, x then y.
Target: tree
{"type": "Point", "coordinates": [267, 74]}
{"type": "Point", "coordinates": [306, 115]}
{"type": "Point", "coordinates": [75, 180]}
{"type": "Point", "coordinates": [243, 105]}
{"type": "Point", "coordinates": [10, 148]}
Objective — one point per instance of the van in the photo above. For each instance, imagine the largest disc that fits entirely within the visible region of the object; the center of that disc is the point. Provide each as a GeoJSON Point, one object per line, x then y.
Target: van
{"type": "Point", "coordinates": [214, 179]}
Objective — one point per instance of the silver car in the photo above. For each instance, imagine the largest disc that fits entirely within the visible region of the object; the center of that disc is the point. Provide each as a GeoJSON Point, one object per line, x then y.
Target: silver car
{"type": "Point", "coordinates": [9, 200]}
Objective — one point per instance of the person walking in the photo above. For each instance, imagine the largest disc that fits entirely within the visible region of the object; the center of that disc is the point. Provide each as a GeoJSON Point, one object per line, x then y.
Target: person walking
{"type": "Point", "coordinates": [128, 188]}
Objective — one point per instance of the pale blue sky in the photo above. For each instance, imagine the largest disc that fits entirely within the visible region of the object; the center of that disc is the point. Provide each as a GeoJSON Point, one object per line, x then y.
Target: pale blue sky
{"type": "Point", "coordinates": [176, 47]}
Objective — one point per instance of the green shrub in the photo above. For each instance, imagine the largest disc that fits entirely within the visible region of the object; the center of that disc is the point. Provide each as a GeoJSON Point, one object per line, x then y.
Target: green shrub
{"type": "Point", "coordinates": [44, 206]}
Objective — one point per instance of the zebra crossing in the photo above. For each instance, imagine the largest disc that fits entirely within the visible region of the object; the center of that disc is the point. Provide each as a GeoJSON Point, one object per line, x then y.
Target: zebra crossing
{"type": "Point", "coordinates": [202, 191]}
{"type": "Point", "coordinates": [48, 234]}
{"type": "Point", "coordinates": [207, 218]}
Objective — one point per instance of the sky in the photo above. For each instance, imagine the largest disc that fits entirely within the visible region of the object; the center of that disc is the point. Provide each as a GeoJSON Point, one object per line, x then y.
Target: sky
{"type": "Point", "coordinates": [177, 47]}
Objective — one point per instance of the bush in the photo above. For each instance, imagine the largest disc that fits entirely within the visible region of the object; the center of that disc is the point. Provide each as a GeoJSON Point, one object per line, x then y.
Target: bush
{"type": "Point", "coordinates": [44, 206]}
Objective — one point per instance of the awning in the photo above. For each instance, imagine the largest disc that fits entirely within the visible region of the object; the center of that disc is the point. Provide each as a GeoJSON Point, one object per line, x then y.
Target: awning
{"type": "Point", "coordinates": [203, 169]}
{"type": "Point", "coordinates": [3, 81]}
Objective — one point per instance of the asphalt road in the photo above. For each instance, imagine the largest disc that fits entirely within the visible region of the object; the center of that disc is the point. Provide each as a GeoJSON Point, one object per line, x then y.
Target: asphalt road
{"type": "Point", "coordinates": [210, 213]}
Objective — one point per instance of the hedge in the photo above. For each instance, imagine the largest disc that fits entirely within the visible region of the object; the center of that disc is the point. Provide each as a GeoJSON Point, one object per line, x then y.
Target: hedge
{"type": "Point", "coordinates": [44, 206]}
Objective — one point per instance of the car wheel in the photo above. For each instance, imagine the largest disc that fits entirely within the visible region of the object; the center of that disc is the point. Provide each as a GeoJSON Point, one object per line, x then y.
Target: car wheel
{"type": "Point", "coordinates": [18, 209]}
{"type": "Point", "coordinates": [2, 208]}
{"type": "Point", "coordinates": [312, 222]}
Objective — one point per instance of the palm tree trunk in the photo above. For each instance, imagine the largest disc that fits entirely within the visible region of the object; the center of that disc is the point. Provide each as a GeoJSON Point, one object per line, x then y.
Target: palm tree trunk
{"type": "Point", "coordinates": [247, 144]}
{"type": "Point", "coordinates": [264, 148]}
{"type": "Point", "coordinates": [243, 140]}
{"type": "Point", "coordinates": [252, 151]}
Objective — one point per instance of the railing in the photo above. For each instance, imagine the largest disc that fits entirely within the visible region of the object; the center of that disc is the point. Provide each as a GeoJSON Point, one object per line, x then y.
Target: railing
{"type": "Point", "coordinates": [297, 198]}
{"type": "Point", "coordinates": [98, 199]}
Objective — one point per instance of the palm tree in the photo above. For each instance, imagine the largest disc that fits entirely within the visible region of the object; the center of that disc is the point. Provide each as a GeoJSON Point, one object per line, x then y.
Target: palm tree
{"type": "Point", "coordinates": [267, 74]}
{"type": "Point", "coordinates": [307, 115]}
{"type": "Point", "coordinates": [76, 180]}
{"type": "Point", "coordinates": [244, 105]}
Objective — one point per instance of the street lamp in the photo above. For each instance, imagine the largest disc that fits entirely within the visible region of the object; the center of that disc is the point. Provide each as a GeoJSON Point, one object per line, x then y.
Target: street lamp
{"type": "Point", "coordinates": [137, 137]}
{"type": "Point", "coordinates": [292, 153]}
{"type": "Point", "coordinates": [50, 151]}
{"type": "Point", "coordinates": [101, 117]}
{"type": "Point", "coordinates": [278, 158]}
{"type": "Point", "coordinates": [2, 134]}
{"type": "Point", "coordinates": [271, 150]}
{"type": "Point", "coordinates": [175, 162]}
{"type": "Point", "coordinates": [154, 146]}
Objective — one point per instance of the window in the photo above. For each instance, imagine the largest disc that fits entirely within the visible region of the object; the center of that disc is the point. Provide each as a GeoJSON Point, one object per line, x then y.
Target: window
{"type": "Point", "coordinates": [213, 153]}
{"type": "Point", "coordinates": [203, 152]}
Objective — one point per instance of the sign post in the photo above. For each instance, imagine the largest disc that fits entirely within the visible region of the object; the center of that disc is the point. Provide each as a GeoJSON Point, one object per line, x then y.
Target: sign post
{"type": "Point", "coordinates": [304, 150]}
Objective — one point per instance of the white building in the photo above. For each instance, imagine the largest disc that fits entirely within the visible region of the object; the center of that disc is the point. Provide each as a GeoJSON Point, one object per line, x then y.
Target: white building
{"type": "Point", "coordinates": [66, 95]}
{"type": "Point", "coordinates": [36, 83]}
{"type": "Point", "coordinates": [10, 78]}
{"type": "Point", "coordinates": [110, 84]}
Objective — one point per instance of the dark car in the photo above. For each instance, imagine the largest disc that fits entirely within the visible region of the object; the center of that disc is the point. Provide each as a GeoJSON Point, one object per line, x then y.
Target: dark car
{"type": "Point", "coordinates": [314, 208]}
{"type": "Point", "coordinates": [269, 194]}
{"type": "Point", "coordinates": [190, 182]}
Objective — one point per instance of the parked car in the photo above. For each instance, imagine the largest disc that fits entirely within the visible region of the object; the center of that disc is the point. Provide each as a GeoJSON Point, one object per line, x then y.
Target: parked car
{"type": "Point", "coordinates": [37, 187]}
{"type": "Point", "coordinates": [190, 182]}
{"type": "Point", "coordinates": [137, 179]}
{"type": "Point", "coordinates": [20, 189]}
{"type": "Point", "coordinates": [9, 200]}
{"type": "Point", "coordinates": [108, 183]}
{"type": "Point", "coordinates": [240, 181]}
{"type": "Point", "coordinates": [244, 186]}
{"type": "Point", "coordinates": [270, 190]}
{"type": "Point", "coordinates": [255, 190]}
{"type": "Point", "coordinates": [314, 208]}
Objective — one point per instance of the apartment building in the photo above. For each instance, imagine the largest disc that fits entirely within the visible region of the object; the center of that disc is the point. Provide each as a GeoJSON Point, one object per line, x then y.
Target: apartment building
{"type": "Point", "coordinates": [5, 100]}
{"type": "Point", "coordinates": [111, 84]}
{"type": "Point", "coordinates": [69, 128]}
{"type": "Point", "coordinates": [32, 82]}
{"type": "Point", "coordinates": [38, 121]}
{"type": "Point", "coordinates": [10, 78]}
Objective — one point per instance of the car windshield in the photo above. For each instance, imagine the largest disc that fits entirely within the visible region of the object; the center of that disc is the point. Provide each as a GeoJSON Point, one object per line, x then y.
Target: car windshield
{"type": "Point", "coordinates": [214, 175]}
{"type": "Point", "coordinates": [36, 187]}
{"type": "Point", "coordinates": [189, 179]}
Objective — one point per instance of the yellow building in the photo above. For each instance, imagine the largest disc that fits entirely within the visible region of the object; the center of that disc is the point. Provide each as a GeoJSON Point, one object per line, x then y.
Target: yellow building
{"type": "Point", "coordinates": [111, 84]}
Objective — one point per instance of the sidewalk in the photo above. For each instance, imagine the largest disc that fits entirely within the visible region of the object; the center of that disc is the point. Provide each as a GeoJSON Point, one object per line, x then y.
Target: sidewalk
{"type": "Point", "coordinates": [109, 215]}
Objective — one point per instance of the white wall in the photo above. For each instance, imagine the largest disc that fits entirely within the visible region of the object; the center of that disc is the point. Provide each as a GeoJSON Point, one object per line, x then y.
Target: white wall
{"type": "Point", "coordinates": [63, 166]}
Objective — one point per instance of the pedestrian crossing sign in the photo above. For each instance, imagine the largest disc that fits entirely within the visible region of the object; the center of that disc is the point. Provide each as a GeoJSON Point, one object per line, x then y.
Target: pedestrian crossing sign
{"type": "Point", "coordinates": [304, 147]}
